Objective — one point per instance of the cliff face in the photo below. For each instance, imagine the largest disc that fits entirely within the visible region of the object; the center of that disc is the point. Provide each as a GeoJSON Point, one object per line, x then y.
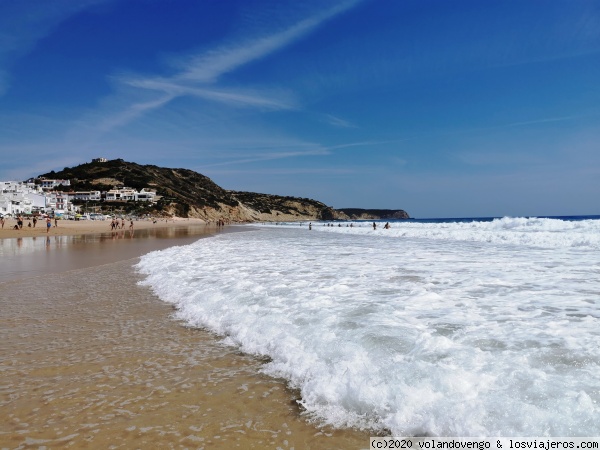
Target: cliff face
{"type": "Point", "coordinates": [186, 193]}
{"type": "Point", "coordinates": [269, 208]}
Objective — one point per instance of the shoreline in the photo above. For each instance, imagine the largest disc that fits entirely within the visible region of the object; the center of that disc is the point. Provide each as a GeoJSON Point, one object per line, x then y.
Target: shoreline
{"type": "Point", "coordinates": [74, 228]}
{"type": "Point", "coordinates": [90, 358]}
{"type": "Point", "coordinates": [80, 246]}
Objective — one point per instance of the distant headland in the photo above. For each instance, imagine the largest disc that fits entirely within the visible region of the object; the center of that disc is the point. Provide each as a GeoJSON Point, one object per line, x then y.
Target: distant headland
{"type": "Point", "coordinates": [131, 188]}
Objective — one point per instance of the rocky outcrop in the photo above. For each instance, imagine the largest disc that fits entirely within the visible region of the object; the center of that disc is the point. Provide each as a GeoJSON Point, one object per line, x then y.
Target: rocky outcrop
{"type": "Point", "coordinates": [374, 214]}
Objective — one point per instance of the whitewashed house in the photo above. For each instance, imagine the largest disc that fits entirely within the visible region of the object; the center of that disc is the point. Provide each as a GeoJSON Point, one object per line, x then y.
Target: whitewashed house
{"type": "Point", "coordinates": [59, 202]}
{"type": "Point", "coordinates": [122, 194]}
{"type": "Point", "coordinates": [20, 198]}
{"type": "Point", "coordinates": [50, 184]}
{"type": "Point", "coordinates": [88, 196]}
{"type": "Point", "coordinates": [145, 196]}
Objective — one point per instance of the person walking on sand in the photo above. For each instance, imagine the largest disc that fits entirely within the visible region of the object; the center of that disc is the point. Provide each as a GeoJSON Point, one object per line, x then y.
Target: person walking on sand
{"type": "Point", "coordinates": [56, 221]}
{"type": "Point", "coordinates": [48, 224]}
{"type": "Point", "coordinates": [34, 221]}
{"type": "Point", "coordinates": [2, 221]}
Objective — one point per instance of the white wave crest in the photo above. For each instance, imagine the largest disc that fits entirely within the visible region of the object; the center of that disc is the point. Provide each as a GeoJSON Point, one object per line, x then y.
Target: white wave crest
{"type": "Point", "coordinates": [534, 232]}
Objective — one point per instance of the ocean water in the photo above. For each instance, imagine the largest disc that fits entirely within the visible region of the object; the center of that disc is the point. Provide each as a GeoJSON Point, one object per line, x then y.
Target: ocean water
{"type": "Point", "coordinates": [443, 328]}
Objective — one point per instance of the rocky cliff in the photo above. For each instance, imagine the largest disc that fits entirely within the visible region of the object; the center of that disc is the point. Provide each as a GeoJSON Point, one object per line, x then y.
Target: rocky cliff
{"type": "Point", "coordinates": [373, 214]}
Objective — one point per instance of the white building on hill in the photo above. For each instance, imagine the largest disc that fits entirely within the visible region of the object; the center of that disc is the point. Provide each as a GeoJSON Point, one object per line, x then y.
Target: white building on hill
{"type": "Point", "coordinates": [125, 194]}
{"type": "Point", "coordinates": [145, 196]}
{"type": "Point", "coordinates": [88, 196]}
{"type": "Point", "coordinates": [50, 184]}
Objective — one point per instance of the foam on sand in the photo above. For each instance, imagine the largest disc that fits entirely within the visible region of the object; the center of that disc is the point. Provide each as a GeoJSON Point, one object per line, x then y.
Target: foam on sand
{"type": "Point", "coordinates": [426, 330]}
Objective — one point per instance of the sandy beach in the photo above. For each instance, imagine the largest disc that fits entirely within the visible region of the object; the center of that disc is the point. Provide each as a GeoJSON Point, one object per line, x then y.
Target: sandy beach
{"type": "Point", "coordinates": [90, 359]}
{"type": "Point", "coordinates": [73, 227]}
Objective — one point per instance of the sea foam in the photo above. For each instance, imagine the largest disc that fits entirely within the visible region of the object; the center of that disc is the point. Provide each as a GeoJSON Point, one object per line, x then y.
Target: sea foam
{"type": "Point", "coordinates": [418, 330]}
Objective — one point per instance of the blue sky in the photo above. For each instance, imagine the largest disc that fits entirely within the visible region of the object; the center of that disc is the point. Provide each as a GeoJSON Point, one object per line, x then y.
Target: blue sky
{"type": "Point", "coordinates": [444, 108]}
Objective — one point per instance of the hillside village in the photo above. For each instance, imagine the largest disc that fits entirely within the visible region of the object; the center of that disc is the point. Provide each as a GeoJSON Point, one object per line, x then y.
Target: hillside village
{"type": "Point", "coordinates": [39, 196]}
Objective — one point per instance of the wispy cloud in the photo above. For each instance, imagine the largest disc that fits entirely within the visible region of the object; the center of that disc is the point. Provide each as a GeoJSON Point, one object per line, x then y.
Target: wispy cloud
{"type": "Point", "coordinates": [208, 67]}
{"type": "Point", "coordinates": [284, 171]}
{"type": "Point", "coordinates": [338, 122]}
{"type": "Point", "coordinates": [151, 99]}
{"type": "Point", "coordinates": [199, 73]}
{"type": "Point", "coordinates": [497, 158]}
{"type": "Point", "coordinates": [538, 121]}
{"type": "Point", "coordinates": [365, 144]}
{"type": "Point", "coordinates": [272, 156]}
{"type": "Point", "coordinates": [283, 150]}
{"type": "Point", "coordinates": [228, 96]}
{"type": "Point", "coordinates": [131, 112]}
{"type": "Point", "coordinates": [502, 126]}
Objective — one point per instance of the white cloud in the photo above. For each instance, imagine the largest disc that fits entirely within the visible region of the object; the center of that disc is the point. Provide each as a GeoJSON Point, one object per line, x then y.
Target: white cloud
{"type": "Point", "coordinates": [199, 73]}
{"type": "Point", "coordinates": [131, 113]}
{"type": "Point", "coordinates": [271, 156]}
{"type": "Point", "coordinates": [338, 122]}
{"type": "Point", "coordinates": [200, 130]}
{"type": "Point", "coordinates": [208, 67]}
{"type": "Point", "coordinates": [229, 96]}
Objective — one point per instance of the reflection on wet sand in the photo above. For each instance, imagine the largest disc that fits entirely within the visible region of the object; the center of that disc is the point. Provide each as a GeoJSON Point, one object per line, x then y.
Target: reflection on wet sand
{"type": "Point", "coordinates": [89, 359]}
{"type": "Point", "coordinates": [34, 256]}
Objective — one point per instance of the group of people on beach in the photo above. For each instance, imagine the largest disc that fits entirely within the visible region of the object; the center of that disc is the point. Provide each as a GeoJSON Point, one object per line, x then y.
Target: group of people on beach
{"type": "Point", "coordinates": [31, 224]}
{"type": "Point", "coordinates": [116, 225]}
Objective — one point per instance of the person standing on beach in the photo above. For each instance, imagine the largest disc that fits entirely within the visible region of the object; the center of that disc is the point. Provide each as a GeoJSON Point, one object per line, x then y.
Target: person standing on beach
{"type": "Point", "coordinates": [34, 221]}
{"type": "Point", "coordinates": [20, 222]}
{"type": "Point", "coordinates": [56, 221]}
{"type": "Point", "coordinates": [2, 221]}
{"type": "Point", "coordinates": [48, 224]}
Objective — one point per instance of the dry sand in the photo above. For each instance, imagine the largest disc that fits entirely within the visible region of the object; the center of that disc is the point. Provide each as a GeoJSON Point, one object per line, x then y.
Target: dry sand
{"type": "Point", "coordinates": [89, 359]}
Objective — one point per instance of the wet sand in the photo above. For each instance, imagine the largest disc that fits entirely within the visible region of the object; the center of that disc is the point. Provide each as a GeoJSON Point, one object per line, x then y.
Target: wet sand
{"type": "Point", "coordinates": [89, 359]}
{"type": "Point", "coordinates": [80, 227]}
{"type": "Point", "coordinates": [38, 255]}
